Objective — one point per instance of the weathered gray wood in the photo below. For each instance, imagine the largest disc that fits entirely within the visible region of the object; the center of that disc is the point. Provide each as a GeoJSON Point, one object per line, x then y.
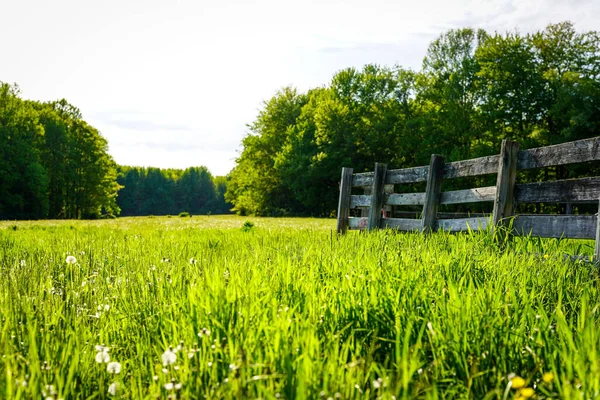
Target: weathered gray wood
{"type": "Point", "coordinates": [344, 201]}
{"type": "Point", "coordinates": [377, 196]}
{"type": "Point", "coordinates": [487, 193]}
{"type": "Point", "coordinates": [556, 226]}
{"type": "Point", "coordinates": [505, 183]}
{"type": "Point", "coordinates": [597, 246]}
{"type": "Point", "coordinates": [358, 222]}
{"type": "Point", "coordinates": [402, 224]}
{"type": "Point", "coordinates": [561, 191]}
{"type": "Point", "coordinates": [566, 153]}
{"type": "Point", "coordinates": [432, 193]}
{"type": "Point", "coordinates": [472, 167]}
{"type": "Point", "coordinates": [360, 200]}
{"type": "Point", "coordinates": [406, 199]}
{"type": "Point", "coordinates": [407, 175]}
{"type": "Point", "coordinates": [462, 224]}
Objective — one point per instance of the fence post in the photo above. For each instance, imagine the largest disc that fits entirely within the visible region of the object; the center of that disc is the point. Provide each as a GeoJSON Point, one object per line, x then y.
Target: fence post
{"type": "Point", "coordinates": [432, 193]}
{"type": "Point", "coordinates": [505, 183]}
{"type": "Point", "coordinates": [597, 247]}
{"type": "Point", "coordinates": [377, 196]}
{"type": "Point", "coordinates": [344, 204]}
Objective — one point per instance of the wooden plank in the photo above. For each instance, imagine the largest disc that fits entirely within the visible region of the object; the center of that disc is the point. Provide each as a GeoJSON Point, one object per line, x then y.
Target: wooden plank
{"type": "Point", "coordinates": [360, 200]}
{"type": "Point", "coordinates": [406, 199]}
{"type": "Point", "coordinates": [344, 201]}
{"type": "Point", "coordinates": [560, 154]}
{"type": "Point", "coordinates": [505, 183]}
{"type": "Point", "coordinates": [462, 224]}
{"type": "Point", "coordinates": [469, 195]}
{"type": "Point", "coordinates": [358, 222]}
{"type": "Point", "coordinates": [561, 191]}
{"type": "Point", "coordinates": [363, 179]}
{"type": "Point", "coordinates": [472, 167]}
{"type": "Point", "coordinates": [556, 226]}
{"type": "Point", "coordinates": [432, 193]}
{"type": "Point", "coordinates": [407, 175]}
{"type": "Point", "coordinates": [377, 196]}
{"type": "Point", "coordinates": [402, 224]}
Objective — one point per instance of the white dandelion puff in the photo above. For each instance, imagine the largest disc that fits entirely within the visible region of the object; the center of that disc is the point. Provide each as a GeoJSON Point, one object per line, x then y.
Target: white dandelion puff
{"type": "Point", "coordinates": [113, 367]}
{"type": "Point", "coordinates": [169, 357]}
{"type": "Point", "coordinates": [23, 263]}
{"type": "Point", "coordinates": [193, 261]}
{"type": "Point", "coordinates": [102, 356]}
{"type": "Point", "coordinates": [112, 389]}
{"type": "Point", "coordinates": [71, 260]}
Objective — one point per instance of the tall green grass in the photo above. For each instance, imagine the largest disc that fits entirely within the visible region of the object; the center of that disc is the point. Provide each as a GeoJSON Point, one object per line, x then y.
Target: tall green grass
{"type": "Point", "coordinates": [287, 309]}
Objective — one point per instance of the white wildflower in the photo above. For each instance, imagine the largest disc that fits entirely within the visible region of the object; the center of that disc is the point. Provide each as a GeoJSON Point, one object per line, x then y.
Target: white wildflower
{"type": "Point", "coordinates": [112, 389]}
{"type": "Point", "coordinates": [23, 263]}
{"type": "Point", "coordinates": [106, 307]}
{"type": "Point", "coordinates": [71, 260]}
{"type": "Point", "coordinates": [102, 356]}
{"type": "Point", "coordinates": [113, 367]}
{"type": "Point", "coordinates": [233, 367]}
{"type": "Point", "coordinates": [204, 332]}
{"type": "Point", "coordinates": [193, 261]}
{"type": "Point", "coordinates": [169, 357]}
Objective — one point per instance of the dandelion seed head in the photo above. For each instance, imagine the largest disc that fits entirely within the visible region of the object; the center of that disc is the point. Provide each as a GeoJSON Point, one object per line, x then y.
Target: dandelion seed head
{"type": "Point", "coordinates": [71, 260]}
{"type": "Point", "coordinates": [169, 357]}
{"type": "Point", "coordinates": [112, 389]}
{"type": "Point", "coordinates": [113, 367]}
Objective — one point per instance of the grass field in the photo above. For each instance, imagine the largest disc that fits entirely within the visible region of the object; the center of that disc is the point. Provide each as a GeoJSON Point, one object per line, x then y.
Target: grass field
{"type": "Point", "coordinates": [204, 308]}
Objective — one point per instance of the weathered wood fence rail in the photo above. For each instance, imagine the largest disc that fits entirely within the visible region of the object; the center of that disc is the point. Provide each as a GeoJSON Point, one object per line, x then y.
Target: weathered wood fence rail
{"type": "Point", "coordinates": [504, 195]}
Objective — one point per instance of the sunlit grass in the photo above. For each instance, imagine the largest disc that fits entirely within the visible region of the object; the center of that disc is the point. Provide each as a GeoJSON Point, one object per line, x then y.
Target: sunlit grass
{"type": "Point", "coordinates": [287, 309]}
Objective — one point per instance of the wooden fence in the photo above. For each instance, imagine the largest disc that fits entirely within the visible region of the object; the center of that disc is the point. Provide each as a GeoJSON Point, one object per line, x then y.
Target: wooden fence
{"type": "Point", "coordinates": [505, 194]}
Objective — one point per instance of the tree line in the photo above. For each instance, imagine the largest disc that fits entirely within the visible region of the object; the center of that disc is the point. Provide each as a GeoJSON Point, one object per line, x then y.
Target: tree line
{"type": "Point", "coordinates": [474, 90]}
{"type": "Point", "coordinates": [53, 164]}
{"type": "Point", "coordinates": [154, 191]}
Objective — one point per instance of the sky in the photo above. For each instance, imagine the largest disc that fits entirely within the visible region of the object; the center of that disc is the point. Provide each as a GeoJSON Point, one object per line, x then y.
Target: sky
{"type": "Point", "coordinates": [173, 84]}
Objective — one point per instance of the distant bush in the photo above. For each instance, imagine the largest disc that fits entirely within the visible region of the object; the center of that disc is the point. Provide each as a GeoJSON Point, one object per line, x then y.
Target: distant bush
{"type": "Point", "coordinates": [248, 226]}
{"type": "Point", "coordinates": [184, 214]}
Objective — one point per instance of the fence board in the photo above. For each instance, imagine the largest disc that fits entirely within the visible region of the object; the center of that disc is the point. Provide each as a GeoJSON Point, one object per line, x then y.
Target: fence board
{"type": "Point", "coordinates": [462, 224]}
{"type": "Point", "coordinates": [561, 191]}
{"type": "Point", "coordinates": [358, 222]}
{"type": "Point", "coordinates": [360, 200]}
{"type": "Point", "coordinates": [472, 167]}
{"type": "Point", "coordinates": [560, 154]}
{"type": "Point", "coordinates": [402, 224]}
{"type": "Point", "coordinates": [469, 195]}
{"type": "Point", "coordinates": [406, 199]}
{"type": "Point", "coordinates": [556, 226]}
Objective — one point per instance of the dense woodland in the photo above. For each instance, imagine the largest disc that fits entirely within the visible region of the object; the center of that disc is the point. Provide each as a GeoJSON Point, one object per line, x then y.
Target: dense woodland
{"type": "Point", "coordinates": [474, 89]}
{"type": "Point", "coordinates": [52, 163]}
{"type": "Point", "coordinates": [154, 191]}
{"type": "Point", "coordinates": [55, 165]}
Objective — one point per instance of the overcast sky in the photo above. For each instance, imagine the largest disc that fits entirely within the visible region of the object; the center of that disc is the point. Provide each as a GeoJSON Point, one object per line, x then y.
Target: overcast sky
{"type": "Point", "coordinates": [174, 83]}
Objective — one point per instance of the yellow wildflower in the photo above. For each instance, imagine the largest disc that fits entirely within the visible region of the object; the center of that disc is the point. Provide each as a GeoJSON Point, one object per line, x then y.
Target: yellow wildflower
{"type": "Point", "coordinates": [526, 392]}
{"type": "Point", "coordinates": [517, 382]}
{"type": "Point", "coordinates": [548, 377]}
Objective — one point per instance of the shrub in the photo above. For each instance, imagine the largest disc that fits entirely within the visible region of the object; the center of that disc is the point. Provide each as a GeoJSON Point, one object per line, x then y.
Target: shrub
{"type": "Point", "coordinates": [248, 226]}
{"type": "Point", "coordinates": [184, 214]}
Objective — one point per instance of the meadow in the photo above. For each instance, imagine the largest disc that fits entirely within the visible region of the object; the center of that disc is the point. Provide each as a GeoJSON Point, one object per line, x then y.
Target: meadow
{"type": "Point", "coordinates": [236, 307]}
